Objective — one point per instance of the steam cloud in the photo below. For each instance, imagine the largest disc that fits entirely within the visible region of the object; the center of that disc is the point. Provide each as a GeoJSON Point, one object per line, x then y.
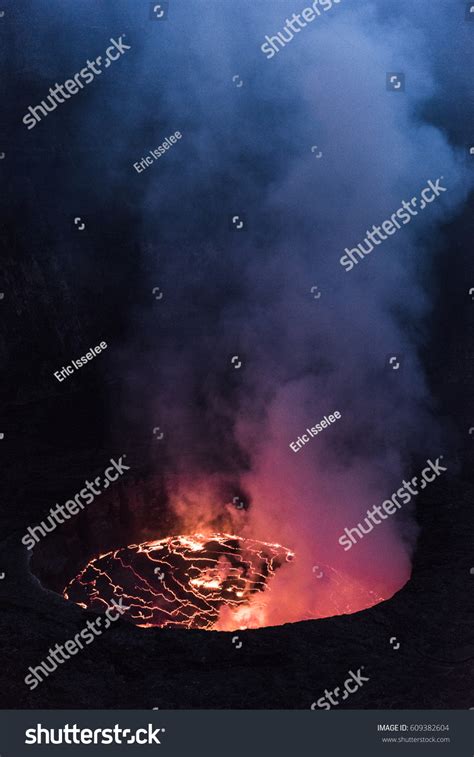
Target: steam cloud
{"type": "Point", "coordinates": [248, 151]}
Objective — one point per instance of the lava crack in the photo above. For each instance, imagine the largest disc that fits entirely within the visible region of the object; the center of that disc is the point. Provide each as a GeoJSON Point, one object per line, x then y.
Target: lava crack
{"type": "Point", "coordinates": [180, 581]}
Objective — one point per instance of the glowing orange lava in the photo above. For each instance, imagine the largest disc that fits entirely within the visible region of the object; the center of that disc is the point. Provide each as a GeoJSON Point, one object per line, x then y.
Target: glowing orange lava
{"type": "Point", "coordinates": [183, 581]}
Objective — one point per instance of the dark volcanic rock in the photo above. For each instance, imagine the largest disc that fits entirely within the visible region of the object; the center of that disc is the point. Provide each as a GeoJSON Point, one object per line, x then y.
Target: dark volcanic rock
{"type": "Point", "coordinates": [280, 667]}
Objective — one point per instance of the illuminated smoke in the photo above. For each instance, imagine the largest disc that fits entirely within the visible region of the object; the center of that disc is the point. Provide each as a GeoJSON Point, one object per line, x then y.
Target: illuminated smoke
{"type": "Point", "coordinates": [248, 151]}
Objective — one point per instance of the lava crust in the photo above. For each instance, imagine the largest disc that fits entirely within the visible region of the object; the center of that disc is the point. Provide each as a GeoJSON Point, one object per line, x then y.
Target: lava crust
{"type": "Point", "coordinates": [180, 581]}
